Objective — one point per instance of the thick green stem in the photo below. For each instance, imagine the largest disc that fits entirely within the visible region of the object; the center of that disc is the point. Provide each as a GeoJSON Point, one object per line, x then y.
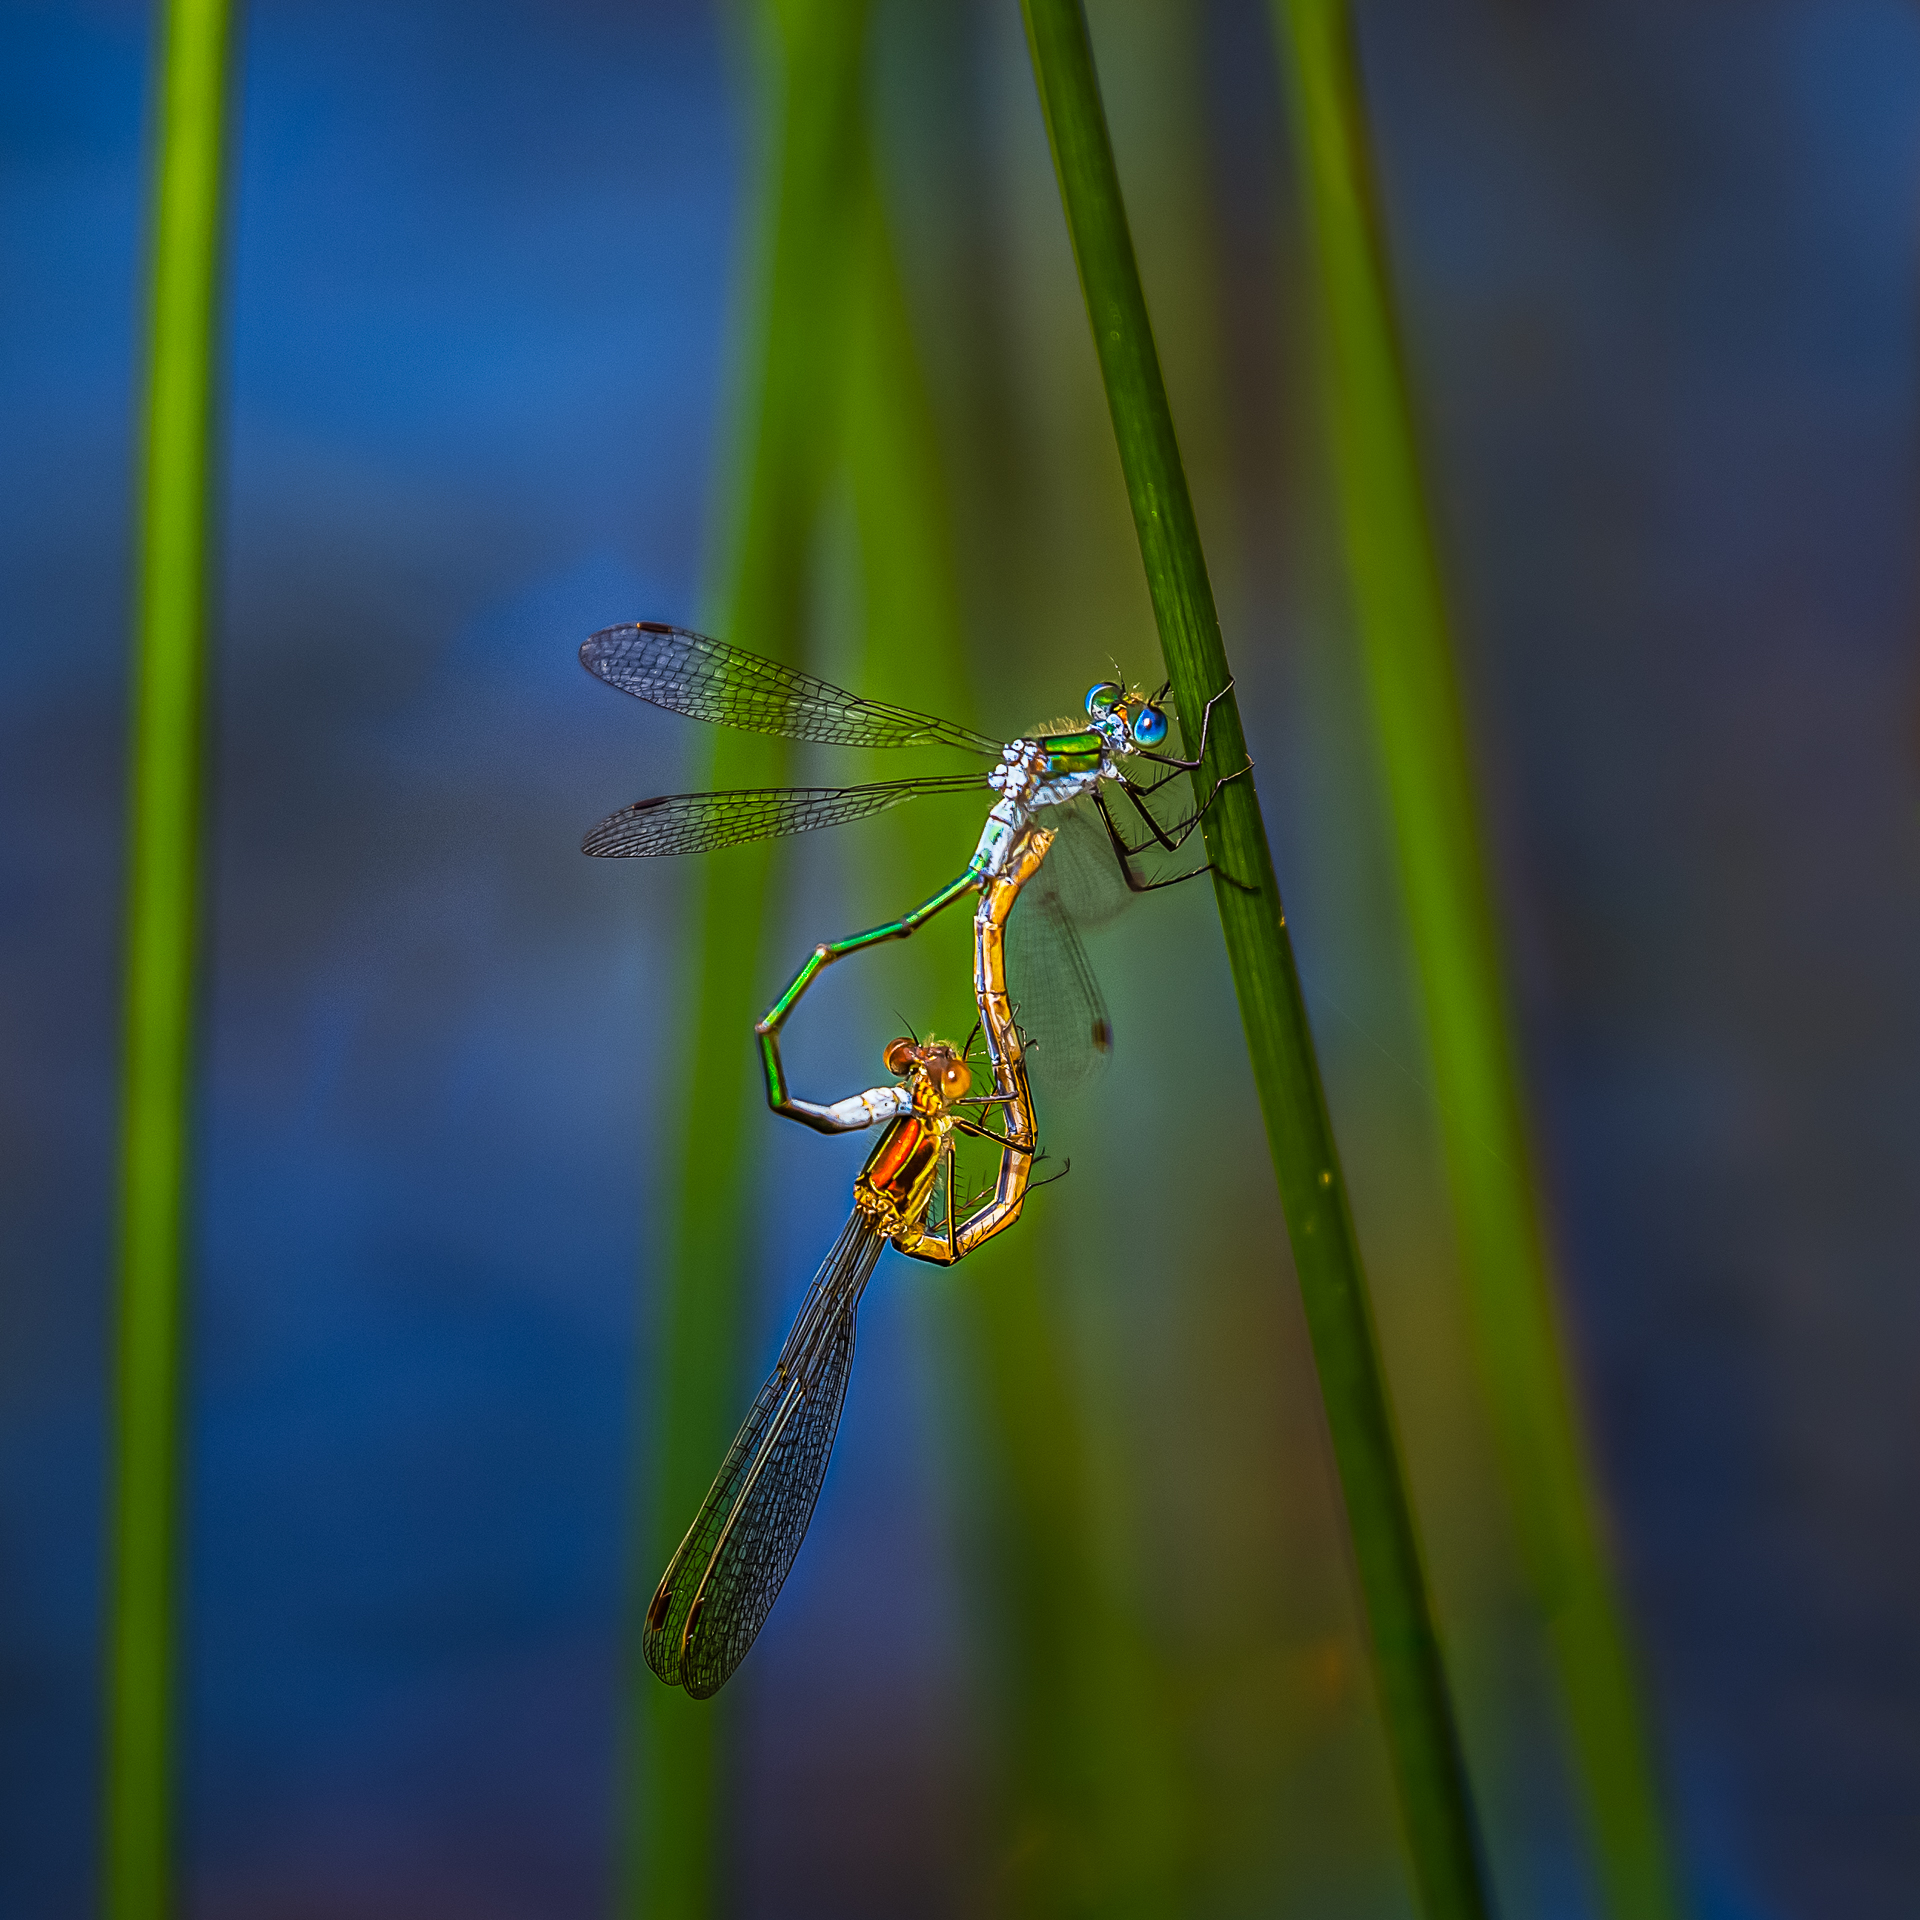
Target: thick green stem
{"type": "Point", "coordinates": [162, 943]}
{"type": "Point", "coordinates": [1401, 614]}
{"type": "Point", "coordinates": [1422, 1737]}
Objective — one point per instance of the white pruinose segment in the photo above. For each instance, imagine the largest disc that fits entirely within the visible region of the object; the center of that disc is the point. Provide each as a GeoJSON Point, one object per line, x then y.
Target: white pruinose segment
{"type": "Point", "coordinates": [870, 1108]}
{"type": "Point", "coordinates": [1022, 792]}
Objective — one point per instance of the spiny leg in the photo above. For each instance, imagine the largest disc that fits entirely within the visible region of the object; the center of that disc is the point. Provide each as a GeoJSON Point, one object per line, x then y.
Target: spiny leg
{"type": "Point", "coordinates": [1122, 853]}
{"type": "Point", "coordinates": [1167, 779]}
{"type": "Point", "coordinates": [952, 1206]}
{"type": "Point", "coordinates": [1206, 722]}
{"type": "Point", "coordinates": [1174, 838]}
{"type": "Point", "coordinates": [987, 1133]}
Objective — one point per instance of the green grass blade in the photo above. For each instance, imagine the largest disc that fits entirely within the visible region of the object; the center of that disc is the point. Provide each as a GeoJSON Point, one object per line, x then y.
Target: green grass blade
{"type": "Point", "coordinates": [1402, 621]}
{"type": "Point", "coordinates": [162, 943]}
{"type": "Point", "coordinates": [811, 54]}
{"type": "Point", "coordinates": [1421, 1733]}
{"type": "Point", "coordinates": [1086, 1749]}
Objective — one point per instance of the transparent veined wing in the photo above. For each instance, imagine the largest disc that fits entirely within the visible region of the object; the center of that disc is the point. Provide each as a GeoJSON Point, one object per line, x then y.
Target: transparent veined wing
{"type": "Point", "coordinates": [706, 679]}
{"type": "Point", "coordinates": [1056, 996]}
{"type": "Point", "coordinates": [722, 1583]}
{"type": "Point", "coordinates": [1081, 873]}
{"type": "Point", "coordinates": [699, 822]}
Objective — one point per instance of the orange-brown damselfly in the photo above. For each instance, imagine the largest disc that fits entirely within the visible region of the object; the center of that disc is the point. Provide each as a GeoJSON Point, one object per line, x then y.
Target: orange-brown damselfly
{"type": "Point", "coordinates": [724, 1578]}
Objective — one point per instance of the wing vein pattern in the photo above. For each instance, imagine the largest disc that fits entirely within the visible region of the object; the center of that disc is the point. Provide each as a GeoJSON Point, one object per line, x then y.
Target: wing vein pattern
{"type": "Point", "coordinates": [708, 680]}
{"type": "Point", "coordinates": [700, 822]}
{"type": "Point", "coordinates": [721, 1585]}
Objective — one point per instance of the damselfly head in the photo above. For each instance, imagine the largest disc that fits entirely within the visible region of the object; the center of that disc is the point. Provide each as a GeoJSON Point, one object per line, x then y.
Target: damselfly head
{"type": "Point", "coordinates": [950, 1074]}
{"type": "Point", "coordinates": [1147, 724]}
{"type": "Point", "coordinates": [947, 1073]}
{"type": "Point", "coordinates": [1126, 719]}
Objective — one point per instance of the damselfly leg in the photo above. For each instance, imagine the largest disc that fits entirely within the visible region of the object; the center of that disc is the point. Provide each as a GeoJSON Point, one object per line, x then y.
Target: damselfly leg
{"type": "Point", "coordinates": [1171, 839]}
{"type": "Point", "coordinates": [1199, 753]}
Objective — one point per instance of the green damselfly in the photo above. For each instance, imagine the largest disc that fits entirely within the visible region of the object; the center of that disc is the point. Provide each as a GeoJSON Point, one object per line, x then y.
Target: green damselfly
{"type": "Point", "coordinates": [1041, 777]}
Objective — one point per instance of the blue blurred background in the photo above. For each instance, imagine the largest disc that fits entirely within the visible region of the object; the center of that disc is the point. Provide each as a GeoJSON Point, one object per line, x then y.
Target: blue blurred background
{"type": "Point", "coordinates": [1656, 268]}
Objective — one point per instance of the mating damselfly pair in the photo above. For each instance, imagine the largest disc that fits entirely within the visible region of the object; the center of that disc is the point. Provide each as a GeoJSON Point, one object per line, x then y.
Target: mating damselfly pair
{"type": "Point", "coordinates": [722, 1582]}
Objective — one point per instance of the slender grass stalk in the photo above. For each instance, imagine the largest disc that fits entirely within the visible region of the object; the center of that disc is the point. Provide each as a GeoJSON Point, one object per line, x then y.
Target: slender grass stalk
{"type": "Point", "coordinates": [162, 948]}
{"type": "Point", "coordinates": [812, 57]}
{"type": "Point", "coordinates": [1402, 619]}
{"type": "Point", "coordinates": [1086, 1753]}
{"type": "Point", "coordinates": [1422, 1738]}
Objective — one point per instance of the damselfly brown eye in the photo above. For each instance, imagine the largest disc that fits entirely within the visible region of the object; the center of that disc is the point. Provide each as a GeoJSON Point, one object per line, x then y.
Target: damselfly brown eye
{"type": "Point", "coordinates": [955, 1079]}
{"type": "Point", "coordinates": [900, 1056]}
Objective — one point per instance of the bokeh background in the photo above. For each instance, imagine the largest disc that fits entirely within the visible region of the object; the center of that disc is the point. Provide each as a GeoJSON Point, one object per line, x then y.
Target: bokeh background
{"type": "Point", "coordinates": [491, 291]}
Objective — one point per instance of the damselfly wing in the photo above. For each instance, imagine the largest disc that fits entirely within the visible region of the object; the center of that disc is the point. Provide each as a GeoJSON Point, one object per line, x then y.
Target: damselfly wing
{"type": "Point", "coordinates": [705, 679]}
{"type": "Point", "coordinates": [701, 822]}
{"type": "Point", "coordinates": [1058, 999]}
{"type": "Point", "coordinates": [720, 1586]}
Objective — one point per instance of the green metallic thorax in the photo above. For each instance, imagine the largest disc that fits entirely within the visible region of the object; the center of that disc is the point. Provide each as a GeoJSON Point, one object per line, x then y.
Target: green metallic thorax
{"type": "Point", "coordinates": [1071, 752]}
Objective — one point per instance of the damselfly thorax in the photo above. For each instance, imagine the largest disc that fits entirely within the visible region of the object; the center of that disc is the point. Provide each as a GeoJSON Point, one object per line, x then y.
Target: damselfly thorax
{"type": "Point", "coordinates": [1051, 771]}
{"type": "Point", "coordinates": [895, 1187]}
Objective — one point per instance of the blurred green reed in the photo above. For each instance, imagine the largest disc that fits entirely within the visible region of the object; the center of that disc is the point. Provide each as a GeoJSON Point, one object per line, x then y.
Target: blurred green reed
{"type": "Point", "coordinates": [1402, 619]}
{"type": "Point", "coordinates": [808, 62]}
{"type": "Point", "coordinates": [1423, 1740]}
{"type": "Point", "coordinates": [841, 400]}
{"type": "Point", "coordinates": [162, 949]}
{"type": "Point", "coordinates": [1081, 1803]}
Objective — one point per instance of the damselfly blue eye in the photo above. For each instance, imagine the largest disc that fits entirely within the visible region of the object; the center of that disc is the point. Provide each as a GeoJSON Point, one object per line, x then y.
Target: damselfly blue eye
{"type": "Point", "coordinates": [1149, 726]}
{"type": "Point", "coordinates": [1105, 697]}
